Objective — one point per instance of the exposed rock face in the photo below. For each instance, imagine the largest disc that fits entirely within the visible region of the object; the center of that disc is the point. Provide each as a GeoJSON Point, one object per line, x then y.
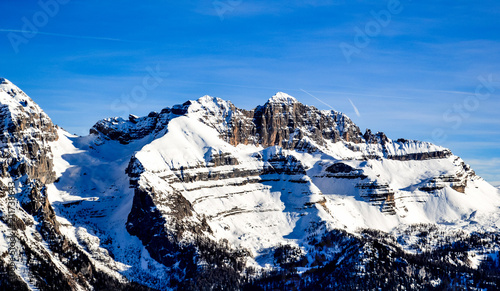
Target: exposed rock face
{"type": "Point", "coordinates": [421, 156]}
{"type": "Point", "coordinates": [286, 123]}
{"type": "Point", "coordinates": [136, 128]}
{"type": "Point", "coordinates": [26, 131]}
{"type": "Point", "coordinates": [148, 223]}
{"type": "Point", "coordinates": [457, 181]}
{"type": "Point", "coordinates": [379, 137]}
{"type": "Point", "coordinates": [43, 270]}
{"type": "Point", "coordinates": [379, 194]}
{"type": "Point", "coordinates": [344, 171]}
{"type": "Point", "coordinates": [181, 240]}
{"type": "Point", "coordinates": [282, 121]}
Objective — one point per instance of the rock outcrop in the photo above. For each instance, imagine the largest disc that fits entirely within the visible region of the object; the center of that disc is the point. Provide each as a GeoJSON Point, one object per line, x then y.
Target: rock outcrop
{"type": "Point", "coordinates": [282, 121]}
{"type": "Point", "coordinates": [26, 132]}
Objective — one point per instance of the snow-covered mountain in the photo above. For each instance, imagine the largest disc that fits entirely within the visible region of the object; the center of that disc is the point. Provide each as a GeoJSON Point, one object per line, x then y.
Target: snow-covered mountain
{"type": "Point", "coordinates": [207, 194]}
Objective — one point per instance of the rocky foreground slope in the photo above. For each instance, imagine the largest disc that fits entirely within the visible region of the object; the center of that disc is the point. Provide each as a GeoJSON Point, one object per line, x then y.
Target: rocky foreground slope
{"type": "Point", "coordinates": [204, 195]}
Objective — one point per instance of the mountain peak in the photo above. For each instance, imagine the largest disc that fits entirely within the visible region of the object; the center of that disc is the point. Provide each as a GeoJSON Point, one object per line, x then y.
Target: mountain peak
{"type": "Point", "coordinates": [6, 85]}
{"type": "Point", "coordinates": [206, 98]}
{"type": "Point", "coordinates": [282, 98]}
{"type": "Point", "coordinates": [212, 104]}
{"type": "Point", "coordinates": [16, 100]}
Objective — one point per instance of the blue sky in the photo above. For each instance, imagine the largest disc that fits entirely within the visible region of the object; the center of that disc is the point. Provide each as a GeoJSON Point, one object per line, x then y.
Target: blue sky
{"type": "Point", "coordinates": [427, 70]}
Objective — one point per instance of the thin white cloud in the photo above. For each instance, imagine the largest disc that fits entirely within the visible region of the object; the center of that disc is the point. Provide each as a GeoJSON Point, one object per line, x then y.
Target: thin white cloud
{"type": "Point", "coordinates": [69, 35]}
{"type": "Point", "coordinates": [257, 8]}
{"type": "Point", "coordinates": [364, 95]}
{"type": "Point", "coordinates": [478, 144]}
{"type": "Point", "coordinates": [354, 107]}
{"type": "Point", "coordinates": [317, 98]}
{"type": "Point", "coordinates": [495, 162]}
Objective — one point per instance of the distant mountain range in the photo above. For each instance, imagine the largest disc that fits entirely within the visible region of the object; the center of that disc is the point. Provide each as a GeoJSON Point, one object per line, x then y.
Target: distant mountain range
{"type": "Point", "coordinates": [207, 196]}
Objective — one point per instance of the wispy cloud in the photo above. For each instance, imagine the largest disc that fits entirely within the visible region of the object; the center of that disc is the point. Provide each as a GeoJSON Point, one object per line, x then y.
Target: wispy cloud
{"type": "Point", "coordinates": [495, 162]}
{"type": "Point", "coordinates": [354, 107]}
{"type": "Point", "coordinates": [316, 98]}
{"type": "Point", "coordinates": [479, 144]}
{"type": "Point", "coordinates": [364, 95]}
{"type": "Point", "coordinates": [70, 35]}
{"type": "Point", "coordinates": [257, 8]}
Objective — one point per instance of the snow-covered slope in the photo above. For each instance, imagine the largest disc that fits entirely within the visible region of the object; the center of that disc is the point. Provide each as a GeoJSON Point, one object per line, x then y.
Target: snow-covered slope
{"type": "Point", "coordinates": [260, 197]}
{"type": "Point", "coordinates": [259, 184]}
{"type": "Point", "coordinates": [207, 194]}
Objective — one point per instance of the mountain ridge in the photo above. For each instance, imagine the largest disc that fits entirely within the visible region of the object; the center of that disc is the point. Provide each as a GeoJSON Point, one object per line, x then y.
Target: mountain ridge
{"type": "Point", "coordinates": [204, 194]}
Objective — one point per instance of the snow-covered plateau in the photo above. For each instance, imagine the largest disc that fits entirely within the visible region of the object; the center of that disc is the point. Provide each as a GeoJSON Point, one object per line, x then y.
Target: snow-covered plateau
{"type": "Point", "coordinates": [207, 196]}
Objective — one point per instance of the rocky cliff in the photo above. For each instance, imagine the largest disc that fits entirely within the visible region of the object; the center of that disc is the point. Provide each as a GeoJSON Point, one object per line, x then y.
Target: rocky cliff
{"type": "Point", "coordinates": [26, 132]}
{"type": "Point", "coordinates": [35, 253]}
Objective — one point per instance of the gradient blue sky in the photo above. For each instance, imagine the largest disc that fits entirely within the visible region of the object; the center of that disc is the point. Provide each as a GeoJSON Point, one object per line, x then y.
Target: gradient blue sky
{"type": "Point", "coordinates": [415, 78]}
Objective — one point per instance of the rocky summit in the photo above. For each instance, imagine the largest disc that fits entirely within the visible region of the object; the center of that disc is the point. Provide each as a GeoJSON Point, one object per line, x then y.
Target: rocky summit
{"type": "Point", "coordinates": [207, 196]}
